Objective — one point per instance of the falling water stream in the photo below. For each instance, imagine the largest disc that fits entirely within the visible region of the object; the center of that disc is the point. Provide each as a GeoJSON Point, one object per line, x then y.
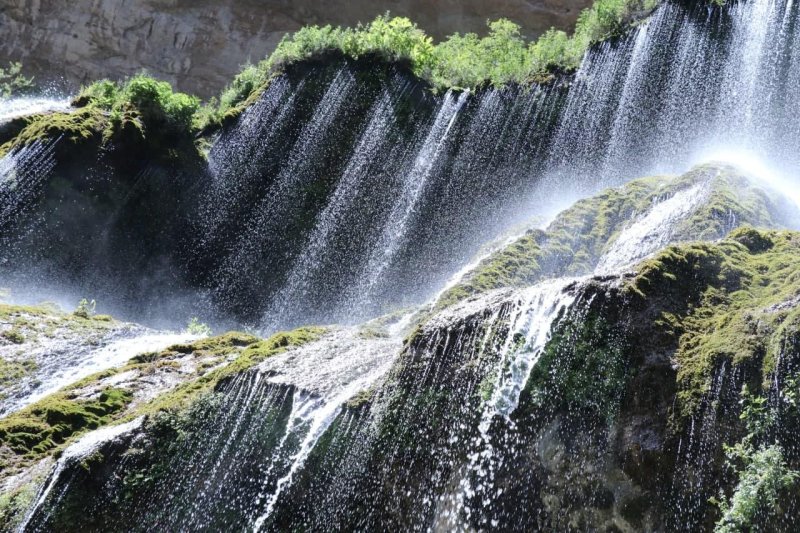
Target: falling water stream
{"type": "Point", "coordinates": [398, 207]}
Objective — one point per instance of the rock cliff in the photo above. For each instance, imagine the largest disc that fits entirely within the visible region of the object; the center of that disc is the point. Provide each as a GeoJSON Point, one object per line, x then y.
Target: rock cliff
{"type": "Point", "coordinates": [200, 45]}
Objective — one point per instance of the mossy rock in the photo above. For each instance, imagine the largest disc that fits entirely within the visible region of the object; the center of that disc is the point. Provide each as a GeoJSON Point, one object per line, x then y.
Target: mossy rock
{"type": "Point", "coordinates": [75, 127]}
{"type": "Point", "coordinates": [575, 241]}
{"type": "Point", "coordinates": [735, 301]}
{"type": "Point", "coordinates": [51, 422]}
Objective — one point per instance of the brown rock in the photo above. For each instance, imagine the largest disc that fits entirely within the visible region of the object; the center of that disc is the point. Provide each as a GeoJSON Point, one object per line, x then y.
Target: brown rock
{"type": "Point", "coordinates": [199, 45]}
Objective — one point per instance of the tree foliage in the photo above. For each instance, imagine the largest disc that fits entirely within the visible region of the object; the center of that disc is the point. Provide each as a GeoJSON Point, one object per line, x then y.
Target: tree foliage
{"type": "Point", "coordinates": [12, 82]}
{"type": "Point", "coordinates": [502, 57]}
{"type": "Point", "coordinates": [761, 467]}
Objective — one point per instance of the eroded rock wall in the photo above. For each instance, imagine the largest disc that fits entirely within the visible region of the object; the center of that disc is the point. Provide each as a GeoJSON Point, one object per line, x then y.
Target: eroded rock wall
{"type": "Point", "coordinates": [199, 45]}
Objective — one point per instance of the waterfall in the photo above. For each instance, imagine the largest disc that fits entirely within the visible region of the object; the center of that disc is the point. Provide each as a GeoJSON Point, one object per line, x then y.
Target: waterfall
{"type": "Point", "coordinates": [346, 192]}
{"type": "Point", "coordinates": [651, 232]}
{"type": "Point", "coordinates": [530, 324]}
{"type": "Point", "coordinates": [78, 450]}
{"type": "Point", "coordinates": [62, 361]}
{"type": "Point", "coordinates": [234, 158]}
{"type": "Point", "coordinates": [395, 231]}
{"type": "Point", "coordinates": [331, 199]}
{"type": "Point", "coordinates": [23, 172]}
{"type": "Point", "coordinates": [295, 291]}
{"type": "Point", "coordinates": [281, 197]}
{"type": "Point", "coordinates": [11, 108]}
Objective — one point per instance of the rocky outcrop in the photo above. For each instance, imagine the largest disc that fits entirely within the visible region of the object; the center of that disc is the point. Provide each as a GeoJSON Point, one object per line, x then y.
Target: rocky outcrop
{"type": "Point", "coordinates": [200, 45]}
{"type": "Point", "coordinates": [627, 401]}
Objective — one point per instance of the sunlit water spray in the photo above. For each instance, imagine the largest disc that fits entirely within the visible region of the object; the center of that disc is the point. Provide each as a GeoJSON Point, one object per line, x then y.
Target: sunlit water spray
{"type": "Point", "coordinates": [60, 362]}
{"type": "Point", "coordinates": [782, 179]}
{"type": "Point", "coordinates": [11, 108]}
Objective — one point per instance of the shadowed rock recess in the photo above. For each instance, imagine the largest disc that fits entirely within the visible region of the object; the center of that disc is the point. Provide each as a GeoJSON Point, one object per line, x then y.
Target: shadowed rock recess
{"type": "Point", "coordinates": [563, 305]}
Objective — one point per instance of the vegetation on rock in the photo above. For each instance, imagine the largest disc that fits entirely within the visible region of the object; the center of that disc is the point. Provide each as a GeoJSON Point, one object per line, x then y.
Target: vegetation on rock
{"type": "Point", "coordinates": [466, 61]}
{"type": "Point", "coordinates": [13, 82]}
{"type": "Point", "coordinates": [761, 467]}
{"type": "Point", "coordinates": [141, 108]}
{"type": "Point", "coordinates": [47, 425]}
{"type": "Point", "coordinates": [142, 100]}
{"type": "Point", "coordinates": [502, 57]}
{"type": "Point", "coordinates": [575, 241]}
{"type": "Point", "coordinates": [731, 303]}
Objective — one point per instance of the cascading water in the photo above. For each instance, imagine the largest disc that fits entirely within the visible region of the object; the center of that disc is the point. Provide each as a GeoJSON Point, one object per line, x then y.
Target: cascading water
{"type": "Point", "coordinates": [287, 227]}
{"type": "Point", "coordinates": [337, 198]}
{"type": "Point", "coordinates": [311, 260]}
{"type": "Point", "coordinates": [11, 108]}
{"type": "Point", "coordinates": [395, 231]}
{"type": "Point", "coordinates": [64, 360]}
{"type": "Point", "coordinates": [77, 451]}
{"type": "Point", "coordinates": [22, 174]}
{"type": "Point", "coordinates": [256, 435]}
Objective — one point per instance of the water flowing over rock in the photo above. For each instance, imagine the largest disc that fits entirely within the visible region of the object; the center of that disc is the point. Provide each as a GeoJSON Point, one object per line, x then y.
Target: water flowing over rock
{"type": "Point", "coordinates": [328, 200]}
{"type": "Point", "coordinates": [528, 334]}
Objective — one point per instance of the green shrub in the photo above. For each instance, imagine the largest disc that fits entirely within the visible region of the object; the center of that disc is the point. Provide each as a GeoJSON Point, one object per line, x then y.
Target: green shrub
{"type": "Point", "coordinates": [393, 39]}
{"type": "Point", "coordinates": [104, 93]}
{"type": "Point", "coordinates": [153, 101]}
{"type": "Point", "coordinates": [156, 101]}
{"type": "Point", "coordinates": [762, 470]}
{"type": "Point", "coordinates": [554, 50]}
{"type": "Point", "coordinates": [305, 43]}
{"type": "Point", "coordinates": [460, 61]}
{"type": "Point", "coordinates": [195, 327]}
{"type": "Point", "coordinates": [12, 82]}
{"type": "Point", "coordinates": [85, 308]}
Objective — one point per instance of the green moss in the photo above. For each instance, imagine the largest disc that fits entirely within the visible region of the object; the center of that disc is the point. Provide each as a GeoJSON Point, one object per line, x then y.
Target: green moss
{"type": "Point", "coordinates": [14, 504]}
{"type": "Point", "coordinates": [575, 241]}
{"type": "Point", "coordinates": [49, 423]}
{"type": "Point", "coordinates": [10, 312]}
{"type": "Point", "coordinates": [29, 323]}
{"type": "Point", "coordinates": [361, 399]}
{"type": "Point", "coordinates": [12, 371]}
{"type": "Point", "coordinates": [219, 345]}
{"type": "Point", "coordinates": [73, 127]}
{"type": "Point", "coordinates": [252, 354]}
{"type": "Point", "coordinates": [725, 301]}
{"type": "Point", "coordinates": [584, 366]}
{"type": "Point", "coordinates": [13, 335]}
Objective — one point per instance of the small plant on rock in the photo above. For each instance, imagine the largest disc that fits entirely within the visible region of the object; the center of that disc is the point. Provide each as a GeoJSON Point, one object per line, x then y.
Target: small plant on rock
{"type": "Point", "coordinates": [85, 308]}
{"type": "Point", "coordinates": [195, 327]}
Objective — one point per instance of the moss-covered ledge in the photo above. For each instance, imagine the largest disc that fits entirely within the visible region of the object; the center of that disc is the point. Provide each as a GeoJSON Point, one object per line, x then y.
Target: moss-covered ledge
{"type": "Point", "coordinates": [734, 301]}
{"type": "Point", "coordinates": [118, 395]}
{"type": "Point", "coordinates": [573, 244]}
{"type": "Point", "coordinates": [140, 114]}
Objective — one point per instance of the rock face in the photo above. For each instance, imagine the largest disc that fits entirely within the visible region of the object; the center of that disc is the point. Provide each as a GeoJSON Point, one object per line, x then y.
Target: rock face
{"type": "Point", "coordinates": [622, 401]}
{"type": "Point", "coordinates": [200, 45]}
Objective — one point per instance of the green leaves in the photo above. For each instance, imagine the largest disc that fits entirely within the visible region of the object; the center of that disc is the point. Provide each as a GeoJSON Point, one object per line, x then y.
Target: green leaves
{"type": "Point", "coordinates": [462, 61]}
{"type": "Point", "coordinates": [762, 468]}
{"type": "Point", "coordinates": [764, 476]}
{"type": "Point", "coordinates": [12, 82]}
{"type": "Point", "coordinates": [150, 98]}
